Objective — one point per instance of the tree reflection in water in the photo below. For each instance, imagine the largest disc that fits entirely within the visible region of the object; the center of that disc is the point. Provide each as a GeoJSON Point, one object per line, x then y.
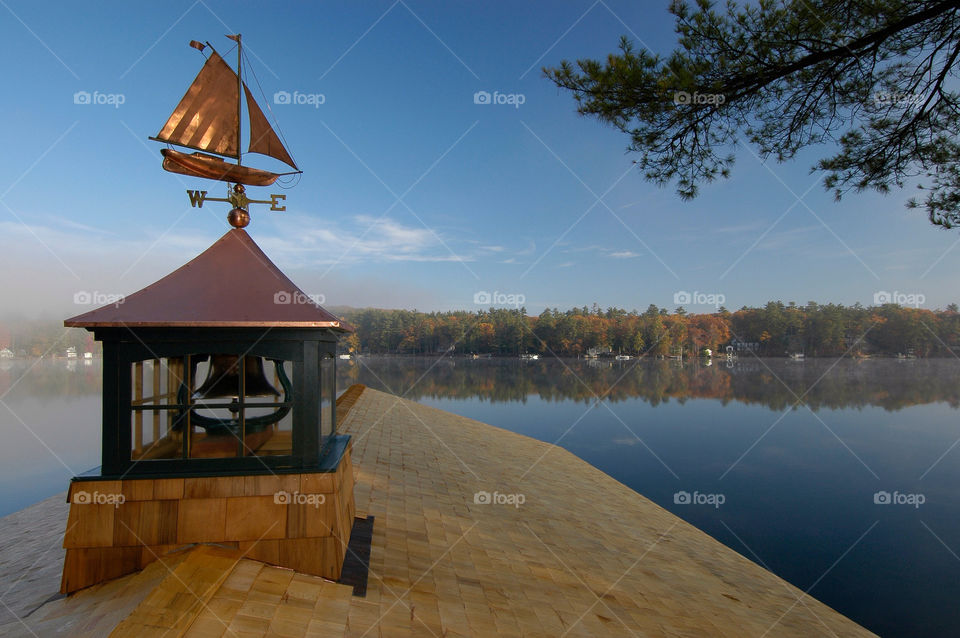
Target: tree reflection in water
{"type": "Point", "coordinates": [775, 383]}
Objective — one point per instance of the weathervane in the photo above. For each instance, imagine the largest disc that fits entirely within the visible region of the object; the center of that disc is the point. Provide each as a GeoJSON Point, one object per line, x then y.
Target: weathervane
{"type": "Point", "coordinates": [238, 216]}
{"type": "Point", "coordinates": [207, 120]}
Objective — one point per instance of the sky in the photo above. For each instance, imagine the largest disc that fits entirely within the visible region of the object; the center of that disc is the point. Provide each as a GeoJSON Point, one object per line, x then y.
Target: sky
{"type": "Point", "coordinates": [413, 194]}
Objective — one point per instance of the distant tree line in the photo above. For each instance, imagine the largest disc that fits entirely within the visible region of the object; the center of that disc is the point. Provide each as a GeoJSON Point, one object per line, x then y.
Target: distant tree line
{"type": "Point", "coordinates": [775, 329]}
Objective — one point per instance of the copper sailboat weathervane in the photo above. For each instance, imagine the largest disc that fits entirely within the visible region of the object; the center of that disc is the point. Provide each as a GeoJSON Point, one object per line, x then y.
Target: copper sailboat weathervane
{"type": "Point", "coordinates": [207, 120]}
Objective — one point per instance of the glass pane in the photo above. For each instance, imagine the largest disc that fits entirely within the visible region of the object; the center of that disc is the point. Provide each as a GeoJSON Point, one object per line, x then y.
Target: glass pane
{"type": "Point", "coordinates": [227, 422]}
{"type": "Point", "coordinates": [156, 432]}
{"type": "Point", "coordinates": [273, 438]}
{"type": "Point", "coordinates": [205, 391]}
{"type": "Point", "coordinates": [328, 381]}
{"type": "Point", "coordinates": [156, 381]}
{"type": "Point", "coordinates": [215, 403]}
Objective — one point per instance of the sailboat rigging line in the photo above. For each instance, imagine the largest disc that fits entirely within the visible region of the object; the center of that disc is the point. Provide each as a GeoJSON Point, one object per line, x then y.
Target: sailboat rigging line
{"type": "Point", "coordinates": [204, 53]}
{"type": "Point", "coordinates": [291, 182]}
{"type": "Point", "coordinates": [276, 122]}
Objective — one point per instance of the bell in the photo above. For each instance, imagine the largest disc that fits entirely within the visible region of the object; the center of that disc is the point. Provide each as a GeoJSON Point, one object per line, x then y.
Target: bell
{"type": "Point", "coordinates": [223, 378]}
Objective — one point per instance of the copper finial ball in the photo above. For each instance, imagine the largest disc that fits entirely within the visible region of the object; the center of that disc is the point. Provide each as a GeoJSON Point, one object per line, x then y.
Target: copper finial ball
{"type": "Point", "coordinates": [238, 218]}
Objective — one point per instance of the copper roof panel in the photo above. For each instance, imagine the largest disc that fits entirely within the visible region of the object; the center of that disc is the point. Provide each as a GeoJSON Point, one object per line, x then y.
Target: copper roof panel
{"type": "Point", "coordinates": [231, 284]}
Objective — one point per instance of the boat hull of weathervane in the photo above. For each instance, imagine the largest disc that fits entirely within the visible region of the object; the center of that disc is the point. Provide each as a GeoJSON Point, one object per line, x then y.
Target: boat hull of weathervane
{"type": "Point", "coordinates": [210, 167]}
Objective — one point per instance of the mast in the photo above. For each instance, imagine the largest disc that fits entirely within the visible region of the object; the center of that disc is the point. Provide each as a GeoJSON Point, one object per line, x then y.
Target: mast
{"type": "Point", "coordinates": [239, 100]}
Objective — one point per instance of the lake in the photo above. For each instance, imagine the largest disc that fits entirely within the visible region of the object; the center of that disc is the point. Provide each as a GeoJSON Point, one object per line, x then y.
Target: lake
{"type": "Point", "coordinates": [841, 477]}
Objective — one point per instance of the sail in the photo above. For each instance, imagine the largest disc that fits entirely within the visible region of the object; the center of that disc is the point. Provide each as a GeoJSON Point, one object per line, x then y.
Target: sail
{"type": "Point", "coordinates": [263, 139]}
{"type": "Point", "coordinates": [208, 116]}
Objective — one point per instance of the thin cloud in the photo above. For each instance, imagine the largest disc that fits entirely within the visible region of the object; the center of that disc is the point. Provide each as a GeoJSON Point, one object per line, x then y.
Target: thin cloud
{"type": "Point", "coordinates": [583, 249]}
{"type": "Point", "coordinates": [362, 238]}
{"type": "Point", "coordinates": [77, 240]}
{"type": "Point", "coordinates": [789, 238]}
{"type": "Point", "coordinates": [605, 251]}
{"type": "Point", "coordinates": [65, 222]}
{"type": "Point", "coordinates": [750, 227]}
{"type": "Point", "coordinates": [529, 250]}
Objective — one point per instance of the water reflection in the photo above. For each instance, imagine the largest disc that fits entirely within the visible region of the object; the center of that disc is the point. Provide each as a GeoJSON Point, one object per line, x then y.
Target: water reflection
{"type": "Point", "coordinates": [50, 377]}
{"type": "Point", "coordinates": [774, 383]}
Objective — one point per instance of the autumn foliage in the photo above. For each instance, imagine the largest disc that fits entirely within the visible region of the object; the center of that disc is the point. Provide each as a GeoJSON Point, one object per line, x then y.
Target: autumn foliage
{"type": "Point", "coordinates": [772, 330]}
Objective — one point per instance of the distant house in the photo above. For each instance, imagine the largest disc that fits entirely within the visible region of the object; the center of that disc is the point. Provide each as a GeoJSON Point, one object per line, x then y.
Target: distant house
{"type": "Point", "coordinates": [6, 353]}
{"type": "Point", "coordinates": [599, 351]}
{"type": "Point", "coordinates": [741, 346]}
{"type": "Point", "coordinates": [71, 353]}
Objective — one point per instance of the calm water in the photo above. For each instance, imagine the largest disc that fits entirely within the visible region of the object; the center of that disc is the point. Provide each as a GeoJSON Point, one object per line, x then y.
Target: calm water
{"type": "Point", "coordinates": [796, 452]}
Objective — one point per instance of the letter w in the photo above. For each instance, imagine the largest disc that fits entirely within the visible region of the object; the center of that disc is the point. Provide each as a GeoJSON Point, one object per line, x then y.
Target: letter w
{"type": "Point", "coordinates": [197, 197]}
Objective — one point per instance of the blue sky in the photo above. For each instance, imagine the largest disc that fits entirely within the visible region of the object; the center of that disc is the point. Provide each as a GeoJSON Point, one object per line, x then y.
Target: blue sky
{"type": "Point", "coordinates": [412, 196]}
